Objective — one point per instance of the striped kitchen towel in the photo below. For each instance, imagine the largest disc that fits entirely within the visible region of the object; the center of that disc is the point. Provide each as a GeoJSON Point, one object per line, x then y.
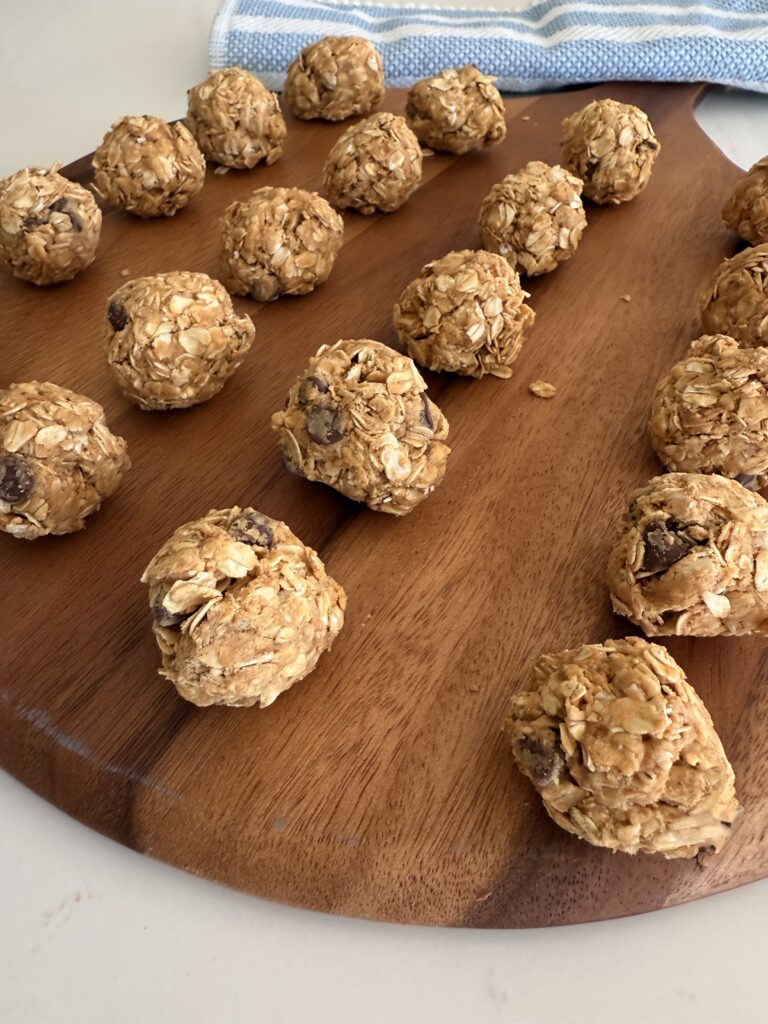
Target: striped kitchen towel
{"type": "Point", "coordinates": [543, 45]}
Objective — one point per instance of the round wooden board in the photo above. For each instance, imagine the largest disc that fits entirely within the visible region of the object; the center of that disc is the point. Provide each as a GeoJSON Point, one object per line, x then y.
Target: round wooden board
{"type": "Point", "coordinates": [381, 786]}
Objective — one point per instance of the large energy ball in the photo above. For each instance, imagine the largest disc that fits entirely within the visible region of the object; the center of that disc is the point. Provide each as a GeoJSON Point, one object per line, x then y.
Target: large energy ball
{"type": "Point", "coordinates": [534, 218]}
{"type": "Point", "coordinates": [710, 412]}
{"type": "Point", "coordinates": [148, 167]}
{"type": "Point", "coordinates": [736, 302]}
{"type": "Point", "coordinates": [235, 119]}
{"type": "Point", "coordinates": [241, 608]}
{"type": "Point", "coordinates": [374, 165]}
{"type": "Point", "coordinates": [692, 558]}
{"type": "Point", "coordinates": [58, 459]}
{"type": "Point", "coordinates": [359, 420]}
{"type": "Point", "coordinates": [279, 241]}
{"type": "Point", "coordinates": [464, 313]}
{"type": "Point", "coordinates": [335, 78]}
{"type": "Point", "coordinates": [623, 752]}
{"type": "Point", "coordinates": [49, 226]}
{"type": "Point", "coordinates": [174, 339]}
{"type": "Point", "coordinates": [457, 110]}
{"type": "Point", "coordinates": [746, 211]}
{"type": "Point", "coordinates": [611, 146]}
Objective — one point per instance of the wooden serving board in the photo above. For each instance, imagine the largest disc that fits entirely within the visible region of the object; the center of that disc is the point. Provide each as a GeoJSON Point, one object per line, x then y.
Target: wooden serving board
{"type": "Point", "coordinates": [381, 786]}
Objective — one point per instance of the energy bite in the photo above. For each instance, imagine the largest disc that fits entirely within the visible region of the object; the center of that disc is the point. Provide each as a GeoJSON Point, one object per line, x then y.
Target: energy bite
{"type": "Point", "coordinates": [174, 339]}
{"type": "Point", "coordinates": [148, 167]}
{"type": "Point", "coordinates": [279, 241]}
{"type": "Point", "coordinates": [534, 218]}
{"type": "Point", "coordinates": [359, 420]}
{"type": "Point", "coordinates": [466, 314]}
{"type": "Point", "coordinates": [49, 226]}
{"type": "Point", "coordinates": [374, 165]}
{"type": "Point", "coordinates": [457, 110]}
{"type": "Point", "coordinates": [612, 147]}
{"type": "Point", "coordinates": [710, 412]}
{"type": "Point", "coordinates": [58, 459]}
{"type": "Point", "coordinates": [623, 752]}
{"type": "Point", "coordinates": [692, 558]}
{"type": "Point", "coordinates": [241, 609]}
{"type": "Point", "coordinates": [736, 302]}
{"type": "Point", "coordinates": [236, 120]}
{"type": "Point", "coordinates": [746, 211]}
{"type": "Point", "coordinates": [335, 78]}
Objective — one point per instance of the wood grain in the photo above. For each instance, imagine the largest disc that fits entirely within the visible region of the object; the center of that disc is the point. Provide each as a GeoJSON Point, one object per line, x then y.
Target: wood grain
{"type": "Point", "coordinates": [381, 786]}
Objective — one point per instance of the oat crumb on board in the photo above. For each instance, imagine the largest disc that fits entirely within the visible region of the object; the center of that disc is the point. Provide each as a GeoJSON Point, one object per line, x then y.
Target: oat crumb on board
{"type": "Point", "coordinates": [542, 389]}
{"type": "Point", "coordinates": [526, 117]}
{"type": "Point", "coordinates": [626, 298]}
{"type": "Point", "coordinates": [221, 170]}
{"type": "Point", "coordinates": [125, 272]}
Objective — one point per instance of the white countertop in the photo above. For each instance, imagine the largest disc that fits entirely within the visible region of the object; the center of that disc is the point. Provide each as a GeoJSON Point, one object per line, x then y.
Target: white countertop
{"type": "Point", "coordinates": [90, 931]}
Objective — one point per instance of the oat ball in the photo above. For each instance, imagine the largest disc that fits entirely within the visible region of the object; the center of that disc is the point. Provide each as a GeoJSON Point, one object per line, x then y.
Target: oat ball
{"type": "Point", "coordinates": [174, 339]}
{"type": "Point", "coordinates": [241, 609]}
{"type": "Point", "coordinates": [58, 459]}
{"type": "Point", "coordinates": [374, 165]}
{"type": "Point", "coordinates": [623, 752]}
{"type": "Point", "coordinates": [279, 241]}
{"type": "Point", "coordinates": [692, 558]}
{"type": "Point", "coordinates": [746, 211]}
{"type": "Point", "coordinates": [736, 302]}
{"type": "Point", "coordinates": [358, 419]}
{"type": "Point", "coordinates": [335, 78]}
{"type": "Point", "coordinates": [466, 314]}
{"type": "Point", "coordinates": [457, 110]}
{"type": "Point", "coordinates": [611, 147]}
{"type": "Point", "coordinates": [710, 412]}
{"type": "Point", "coordinates": [235, 119]}
{"type": "Point", "coordinates": [148, 167]}
{"type": "Point", "coordinates": [534, 218]}
{"type": "Point", "coordinates": [49, 226]}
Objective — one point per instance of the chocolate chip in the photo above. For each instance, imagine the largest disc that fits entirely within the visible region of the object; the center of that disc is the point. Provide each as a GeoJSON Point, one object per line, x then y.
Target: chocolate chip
{"type": "Point", "coordinates": [307, 388]}
{"type": "Point", "coordinates": [17, 479]}
{"type": "Point", "coordinates": [324, 424]}
{"type": "Point", "coordinates": [118, 316]}
{"type": "Point", "coordinates": [62, 206]}
{"type": "Point", "coordinates": [664, 545]}
{"type": "Point", "coordinates": [254, 529]}
{"type": "Point", "coordinates": [33, 220]}
{"type": "Point", "coordinates": [426, 418]}
{"type": "Point", "coordinates": [542, 764]}
{"type": "Point", "coordinates": [165, 618]}
{"type": "Point", "coordinates": [750, 482]}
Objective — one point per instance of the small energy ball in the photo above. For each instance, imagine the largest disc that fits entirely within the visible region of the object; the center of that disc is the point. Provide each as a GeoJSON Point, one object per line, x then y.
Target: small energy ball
{"type": "Point", "coordinates": [335, 78]}
{"type": "Point", "coordinates": [148, 167]}
{"type": "Point", "coordinates": [279, 241]}
{"type": "Point", "coordinates": [241, 608]}
{"type": "Point", "coordinates": [58, 459]}
{"type": "Point", "coordinates": [736, 303]}
{"type": "Point", "coordinates": [174, 339]}
{"type": "Point", "coordinates": [623, 752]}
{"type": "Point", "coordinates": [235, 119]}
{"type": "Point", "coordinates": [534, 218]}
{"type": "Point", "coordinates": [611, 146]}
{"type": "Point", "coordinates": [692, 558]}
{"type": "Point", "coordinates": [457, 110]}
{"type": "Point", "coordinates": [465, 313]}
{"type": "Point", "coordinates": [374, 165]}
{"type": "Point", "coordinates": [710, 412]}
{"type": "Point", "coordinates": [359, 420]}
{"type": "Point", "coordinates": [49, 226]}
{"type": "Point", "coordinates": [746, 211]}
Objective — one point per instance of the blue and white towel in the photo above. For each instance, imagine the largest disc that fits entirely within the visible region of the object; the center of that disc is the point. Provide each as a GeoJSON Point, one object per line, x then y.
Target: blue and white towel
{"type": "Point", "coordinates": [545, 45]}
